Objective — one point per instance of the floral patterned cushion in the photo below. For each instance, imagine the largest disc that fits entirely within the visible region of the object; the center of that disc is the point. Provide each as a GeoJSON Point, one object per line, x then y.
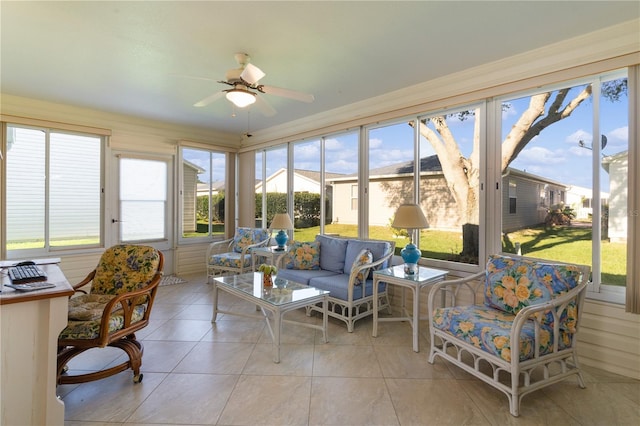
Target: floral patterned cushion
{"type": "Point", "coordinates": [302, 255]}
{"type": "Point", "coordinates": [123, 268]}
{"type": "Point", "coordinates": [88, 307]}
{"type": "Point", "coordinates": [245, 237]}
{"type": "Point", "coordinates": [489, 329]}
{"type": "Point", "coordinates": [512, 284]}
{"type": "Point", "coordinates": [363, 258]}
{"type": "Point", "coordinates": [230, 260]}
{"type": "Point", "coordinates": [91, 329]}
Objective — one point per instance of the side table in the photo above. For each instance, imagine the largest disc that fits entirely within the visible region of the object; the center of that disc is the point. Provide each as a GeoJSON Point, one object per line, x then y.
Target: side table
{"type": "Point", "coordinates": [416, 282]}
{"type": "Point", "coordinates": [271, 254]}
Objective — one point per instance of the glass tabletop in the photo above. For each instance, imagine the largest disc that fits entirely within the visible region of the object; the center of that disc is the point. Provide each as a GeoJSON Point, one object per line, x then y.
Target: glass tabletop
{"type": "Point", "coordinates": [282, 292]}
{"type": "Point", "coordinates": [423, 274]}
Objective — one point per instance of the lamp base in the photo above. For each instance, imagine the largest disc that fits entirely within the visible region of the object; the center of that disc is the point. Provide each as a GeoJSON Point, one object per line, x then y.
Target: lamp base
{"type": "Point", "coordinates": [410, 268]}
{"type": "Point", "coordinates": [410, 254]}
{"type": "Point", "coordinates": [281, 238]}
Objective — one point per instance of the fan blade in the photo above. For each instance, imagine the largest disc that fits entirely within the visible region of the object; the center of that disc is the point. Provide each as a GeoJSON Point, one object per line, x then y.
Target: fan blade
{"type": "Point", "coordinates": [193, 77]}
{"type": "Point", "coordinates": [251, 74]}
{"type": "Point", "coordinates": [265, 107]}
{"type": "Point", "coordinates": [286, 93]}
{"type": "Point", "coordinates": [206, 101]}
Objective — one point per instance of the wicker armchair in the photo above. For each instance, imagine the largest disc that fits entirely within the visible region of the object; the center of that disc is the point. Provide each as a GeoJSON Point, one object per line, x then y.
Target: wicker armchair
{"type": "Point", "coordinates": [123, 287]}
{"type": "Point", "coordinates": [234, 255]}
{"type": "Point", "coordinates": [523, 335]}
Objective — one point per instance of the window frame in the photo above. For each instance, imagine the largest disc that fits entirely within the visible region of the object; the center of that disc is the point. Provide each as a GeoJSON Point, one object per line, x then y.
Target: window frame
{"type": "Point", "coordinates": [180, 182]}
{"type": "Point", "coordinates": [102, 136]}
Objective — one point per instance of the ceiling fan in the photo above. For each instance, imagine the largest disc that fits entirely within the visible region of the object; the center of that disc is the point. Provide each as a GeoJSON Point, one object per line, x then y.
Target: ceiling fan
{"type": "Point", "coordinates": [245, 88]}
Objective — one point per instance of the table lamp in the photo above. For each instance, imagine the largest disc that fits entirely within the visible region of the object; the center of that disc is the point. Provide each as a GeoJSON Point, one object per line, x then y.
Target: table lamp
{"type": "Point", "coordinates": [410, 217]}
{"type": "Point", "coordinates": [281, 221]}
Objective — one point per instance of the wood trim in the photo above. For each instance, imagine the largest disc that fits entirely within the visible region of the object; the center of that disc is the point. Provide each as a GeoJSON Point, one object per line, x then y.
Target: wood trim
{"type": "Point", "coordinates": [14, 119]}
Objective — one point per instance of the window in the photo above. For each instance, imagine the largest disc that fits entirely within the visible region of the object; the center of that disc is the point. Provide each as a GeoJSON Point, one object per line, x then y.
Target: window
{"type": "Point", "coordinates": [512, 196]}
{"type": "Point", "coordinates": [391, 176]}
{"type": "Point", "coordinates": [143, 199]}
{"type": "Point", "coordinates": [272, 185]}
{"type": "Point", "coordinates": [341, 182]}
{"type": "Point", "coordinates": [450, 168]}
{"type": "Point", "coordinates": [307, 190]}
{"type": "Point", "coordinates": [203, 192]}
{"type": "Point", "coordinates": [54, 194]}
{"type": "Point", "coordinates": [354, 199]}
{"type": "Point", "coordinates": [577, 145]}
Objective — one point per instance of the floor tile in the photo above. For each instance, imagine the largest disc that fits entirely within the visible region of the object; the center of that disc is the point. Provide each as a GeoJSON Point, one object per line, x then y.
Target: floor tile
{"type": "Point", "coordinates": [268, 400]}
{"type": "Point", "coordinates": [200, 373]}
{"type": "Point", "coordinates": [351, 401]}
{"type": "Point", "coordinates": [186, 399]}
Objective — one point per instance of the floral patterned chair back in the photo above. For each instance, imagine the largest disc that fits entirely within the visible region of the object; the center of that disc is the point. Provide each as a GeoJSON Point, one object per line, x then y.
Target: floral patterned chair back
{"type": "Point", "coordinates": [123, 268]}
{"type": "Point", "coordinates": [245, 237]}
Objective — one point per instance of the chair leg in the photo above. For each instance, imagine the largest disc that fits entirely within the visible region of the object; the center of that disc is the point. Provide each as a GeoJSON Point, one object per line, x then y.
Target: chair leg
{"type": "Point", "coordinates": [129, 344]}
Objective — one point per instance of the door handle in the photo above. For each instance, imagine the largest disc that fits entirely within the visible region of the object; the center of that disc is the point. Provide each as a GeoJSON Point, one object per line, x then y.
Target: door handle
{"type": "Point", "coordinates": [114, 220]}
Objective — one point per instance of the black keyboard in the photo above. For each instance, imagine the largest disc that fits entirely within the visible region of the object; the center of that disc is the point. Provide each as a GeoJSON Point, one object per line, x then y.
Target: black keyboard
{"type": "Point", "coordinates": [26, 274]}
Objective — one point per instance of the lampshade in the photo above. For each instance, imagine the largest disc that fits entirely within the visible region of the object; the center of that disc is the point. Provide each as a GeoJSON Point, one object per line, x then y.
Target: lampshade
{"type": "Point", "coordinates": [281, 221]}
{"type": "Point", "coordinates": [410, 216]}
{"type": "Point", "coordinates": [240, 97]}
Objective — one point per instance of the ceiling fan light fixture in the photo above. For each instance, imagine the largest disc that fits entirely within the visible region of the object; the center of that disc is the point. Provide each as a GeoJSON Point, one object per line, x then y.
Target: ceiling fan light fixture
{"type": "Point", "coordinates": [240, 97]}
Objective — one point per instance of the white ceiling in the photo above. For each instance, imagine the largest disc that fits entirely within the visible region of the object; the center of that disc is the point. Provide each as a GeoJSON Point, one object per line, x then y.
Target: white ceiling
{"type": "Point", "coordinates": [133, 57]}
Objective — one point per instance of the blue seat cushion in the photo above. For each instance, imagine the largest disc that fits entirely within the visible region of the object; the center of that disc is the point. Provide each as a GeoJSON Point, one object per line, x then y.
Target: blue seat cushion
{"type": "Point", "coordinates": [489, 329]}
{"type": "Point", "coordinates": [303, 276]}
{"type": "Point", "coordinates": [337, 285]}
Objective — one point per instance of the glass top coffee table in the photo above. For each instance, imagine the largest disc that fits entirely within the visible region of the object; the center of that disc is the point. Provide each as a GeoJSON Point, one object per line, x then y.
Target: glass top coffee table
{"type": "Point", "coordinates": [283, 297]}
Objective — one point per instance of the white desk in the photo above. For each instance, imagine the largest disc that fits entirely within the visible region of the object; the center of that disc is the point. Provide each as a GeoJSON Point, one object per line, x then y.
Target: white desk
{"type": "Point", "coordinates": [416, 282]}
{"type": "Point", "coordinates": [30, 325]}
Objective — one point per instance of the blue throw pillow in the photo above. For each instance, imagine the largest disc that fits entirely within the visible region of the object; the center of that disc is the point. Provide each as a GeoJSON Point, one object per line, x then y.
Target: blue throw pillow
{"type": "Point", "coordinates": [334, 251]}
{"type": "Point", "coordinates": [354, 247]}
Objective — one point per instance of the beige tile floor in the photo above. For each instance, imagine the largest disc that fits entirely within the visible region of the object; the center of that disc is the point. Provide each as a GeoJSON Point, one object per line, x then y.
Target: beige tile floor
{"type": "Point", "coordinates": [199, 373]}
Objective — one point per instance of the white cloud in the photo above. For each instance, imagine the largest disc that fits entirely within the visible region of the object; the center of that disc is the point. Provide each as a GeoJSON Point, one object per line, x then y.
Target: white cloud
{"type": "Point", "coordinates": [541, 156]}
{"type": "Point", "coordinates": [332, 144]}
{"type": "Point", "coordinates": [375, 143]}
{"type": "Point", "coordinates": [619, 135]}
{"type": "Point", "coordinates": [509, 110]}
{"type": "Point", "coordinates": [306, 152]}
{"type": "Point", "coordinates": [577, 136]}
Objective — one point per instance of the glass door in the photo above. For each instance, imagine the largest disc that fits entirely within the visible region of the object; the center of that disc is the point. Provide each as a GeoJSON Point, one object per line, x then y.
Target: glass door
{"type": "Point", "coordinates": [143, 212]}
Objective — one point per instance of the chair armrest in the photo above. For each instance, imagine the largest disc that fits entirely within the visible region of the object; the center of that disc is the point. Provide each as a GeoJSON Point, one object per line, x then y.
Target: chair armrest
{"type": "Point", "coordinates": [247, 249]}
{"type": "Point", "coordinates": [128, 301]}
{"type": "Point", "coordinates": [87, 280]}
{"type": "Point", "coordinates": [453, 288]}
{"type": "Point", "coordinates": [218, 247]}
{"type": "Point", "coordinates": [557, 306]}
{"type": "Point", "coordinates": [370, 266]}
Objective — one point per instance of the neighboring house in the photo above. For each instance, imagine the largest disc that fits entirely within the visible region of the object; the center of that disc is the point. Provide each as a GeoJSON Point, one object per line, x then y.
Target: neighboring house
{"type": "Point", "coordinates": [190, 174]}
{"type": "Point", "coordinates": [216, 188]}
{"type": "Point", "coordinates": [580, 199]}
{"type": "Point", "coordinates": [303, 181]}
{"type": "Point", "coordinates": [526, 197]}
{"type": "Point", "coordinates": [617, 166]}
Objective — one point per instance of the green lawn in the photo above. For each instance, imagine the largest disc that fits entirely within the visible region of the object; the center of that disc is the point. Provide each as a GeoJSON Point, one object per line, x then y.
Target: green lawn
{"type": "Point", "coordinates": [563, 243]}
